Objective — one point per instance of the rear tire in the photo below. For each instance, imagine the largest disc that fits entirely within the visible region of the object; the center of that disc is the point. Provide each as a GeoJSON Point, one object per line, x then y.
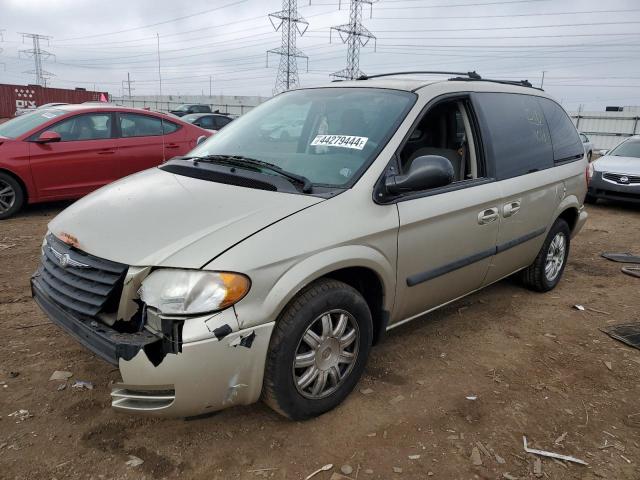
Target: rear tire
{"type": "Point", "coordinates": [546, 270]}
{"type": "Point", "coordinates": [318, 350]}
{"type": "Point", "coordinates": [12, 196]}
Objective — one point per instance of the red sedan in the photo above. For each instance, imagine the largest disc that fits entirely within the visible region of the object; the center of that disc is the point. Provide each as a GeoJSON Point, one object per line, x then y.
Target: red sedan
{"type": "Point", "coordinates": [67, 151]}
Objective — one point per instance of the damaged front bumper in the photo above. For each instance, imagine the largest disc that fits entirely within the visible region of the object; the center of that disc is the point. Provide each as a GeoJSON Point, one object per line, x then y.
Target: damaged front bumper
{"type": "Point", "coordinates": [218, 364]}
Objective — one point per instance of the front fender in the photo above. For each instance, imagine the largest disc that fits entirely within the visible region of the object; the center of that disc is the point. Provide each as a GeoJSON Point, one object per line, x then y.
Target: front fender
{"type": "Point", "coordinates": [265, 304]}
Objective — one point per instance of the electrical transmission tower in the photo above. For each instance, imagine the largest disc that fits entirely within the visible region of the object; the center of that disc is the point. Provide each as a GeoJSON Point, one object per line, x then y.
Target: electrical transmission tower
{"type": "Point", "coordinates": [38, 55]}
{"type": "Point", "coordinates": [355, 35]}
{"type": "Point", "coordinates": [291, 24]}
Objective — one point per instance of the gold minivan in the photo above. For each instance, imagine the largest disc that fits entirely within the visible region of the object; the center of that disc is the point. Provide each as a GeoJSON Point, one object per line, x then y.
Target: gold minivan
{"type": "Point", "coordinates": [264, 265]}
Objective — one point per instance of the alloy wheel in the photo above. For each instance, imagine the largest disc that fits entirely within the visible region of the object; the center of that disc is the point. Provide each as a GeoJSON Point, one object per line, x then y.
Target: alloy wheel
{"type": "Point", "coordinates": [555, 256]}
{"type": "Point", "coordinates": [326, 354]}
{"type": "Point", "coordinates": [7, 196]}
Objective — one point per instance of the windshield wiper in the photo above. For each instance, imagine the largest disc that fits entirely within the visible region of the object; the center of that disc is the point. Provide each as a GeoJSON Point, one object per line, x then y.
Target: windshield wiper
{"type": "Point", "coordinates": [240, 161]}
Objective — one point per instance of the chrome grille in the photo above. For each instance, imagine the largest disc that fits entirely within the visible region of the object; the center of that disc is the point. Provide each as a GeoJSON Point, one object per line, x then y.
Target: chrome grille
{"type": "Point", "coordinates": [76, 280]}
{"type": "Point", "coordinates": [615, 177]}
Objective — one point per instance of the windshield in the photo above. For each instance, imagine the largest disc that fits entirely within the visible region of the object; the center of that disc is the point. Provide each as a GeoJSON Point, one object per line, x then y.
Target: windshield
{"type": "Point", "coordinates": [630, 148]}
{"type": "Point", "coordinates": [327, 135]}
{"type": "Point", "coordinates": [18, 126]}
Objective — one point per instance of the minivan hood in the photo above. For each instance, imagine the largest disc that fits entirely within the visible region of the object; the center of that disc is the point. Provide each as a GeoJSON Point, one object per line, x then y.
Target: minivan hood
{"type": "Point", "coordinates": [157, 218]}
{"type": "Point", "coordinates": [612, 163]}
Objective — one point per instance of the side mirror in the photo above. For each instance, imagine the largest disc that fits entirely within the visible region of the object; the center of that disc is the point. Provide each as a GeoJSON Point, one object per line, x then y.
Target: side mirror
{"type": "Point", "coordinates": [49, 136]}
{"type": "Point", "coordinates": [429, 171]}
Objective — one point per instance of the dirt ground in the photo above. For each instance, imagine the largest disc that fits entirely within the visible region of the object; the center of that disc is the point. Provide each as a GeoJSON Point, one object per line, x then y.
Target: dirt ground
{"type": "Point", "coordinates": [536, 365]}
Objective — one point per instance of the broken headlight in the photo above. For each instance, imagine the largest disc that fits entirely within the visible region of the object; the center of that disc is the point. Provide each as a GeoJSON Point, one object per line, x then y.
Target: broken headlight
{"type": "Point", "coordinates": [180, 292]}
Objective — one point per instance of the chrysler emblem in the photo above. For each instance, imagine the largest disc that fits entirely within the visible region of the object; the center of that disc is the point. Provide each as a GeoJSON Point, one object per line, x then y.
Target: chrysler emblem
{"type": "Point", "coordinates": [624, 179]}
{"type": "Point", "coordinates": [65, 260]}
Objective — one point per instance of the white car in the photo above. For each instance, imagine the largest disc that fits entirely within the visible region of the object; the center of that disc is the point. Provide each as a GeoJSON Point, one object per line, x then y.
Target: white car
{"type": "Point", "coordinates": [588, 146]}
{"type": "Point", "coordinates": [22, 111]}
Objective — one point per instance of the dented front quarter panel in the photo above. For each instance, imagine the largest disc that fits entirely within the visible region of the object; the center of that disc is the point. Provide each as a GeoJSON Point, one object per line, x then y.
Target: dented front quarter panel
{"type": "Point", "coordinates": [219, 365]}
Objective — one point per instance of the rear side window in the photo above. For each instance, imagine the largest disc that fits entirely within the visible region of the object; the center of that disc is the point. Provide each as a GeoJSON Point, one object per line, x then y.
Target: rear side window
{"type": "Point", "coordinates": [207, 122]}
{"type": "Point", "coordinates": [169, 127]}
{"type": "Point", "coordinates": [137, 125]}
{"type": "Point", "coordinates": [564, 137]}
{"type": "Point", "coordinates": [222, 121]}
{"type": "Point", "coordinates": [516, 133]}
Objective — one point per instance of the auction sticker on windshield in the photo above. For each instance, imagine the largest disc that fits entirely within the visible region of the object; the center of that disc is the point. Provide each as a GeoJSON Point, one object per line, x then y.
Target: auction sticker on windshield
{"type": "Point", "coordinates": [344, 141]}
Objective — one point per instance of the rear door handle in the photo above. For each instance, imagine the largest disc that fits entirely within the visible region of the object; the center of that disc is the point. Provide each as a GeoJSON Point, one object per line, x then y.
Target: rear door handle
{"type": "Point", "coordinates": [511, 208]}
{"type": "Point", "coordinates": [106, 152]}
{"type": "Point", "coordinates": [487, 216]}
{"type": "Point", "coordinates": [172, 145]}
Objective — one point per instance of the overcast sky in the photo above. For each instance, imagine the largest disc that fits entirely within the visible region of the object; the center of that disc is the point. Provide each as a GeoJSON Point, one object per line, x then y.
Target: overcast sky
{"type": "Point", "coordinates": [590, 49]}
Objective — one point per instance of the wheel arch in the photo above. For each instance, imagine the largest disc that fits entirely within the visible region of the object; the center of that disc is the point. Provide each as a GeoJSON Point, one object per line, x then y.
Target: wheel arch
{"type": "Point", "coordinates": [20, 181]}
{"type": "Point", "coordinates": [363, 268]}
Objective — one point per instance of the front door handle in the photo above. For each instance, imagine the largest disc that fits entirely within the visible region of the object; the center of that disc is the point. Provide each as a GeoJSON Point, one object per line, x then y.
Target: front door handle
{"type": "Point", "coordinates": [172, 145]}
{"type": "Point", "coordinates": [487, 216]}
{"type": "Point", "coordinates": [106, 152]}
{"type": "Point", "coordinates": [511, 208]}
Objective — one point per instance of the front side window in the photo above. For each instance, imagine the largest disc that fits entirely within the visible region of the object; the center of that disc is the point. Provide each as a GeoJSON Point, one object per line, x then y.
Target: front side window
{"type": "Point", "coordinates": [630, 148]}
{"type": "Point", "coordinates": [18, 126]}
{"type": "Point", "coordinates": [445, 131]}
{"type": "Point", "coordinates": [328, 135]}
{"type": "Point", "coordinates": [564, 137]}
{"type": "Point", "coordinates": [517, 133]}
{"type": "Point", "coordinates": [89, 126]}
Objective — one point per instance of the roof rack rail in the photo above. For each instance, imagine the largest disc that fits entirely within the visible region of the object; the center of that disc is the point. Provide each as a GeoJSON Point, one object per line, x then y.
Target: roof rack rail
{"type": "Point", "coordinates": [469, 75]}
{"type": "Point", "coordinates": [519, 83]}
{"type": "Point", "coordinates": [461, 76]}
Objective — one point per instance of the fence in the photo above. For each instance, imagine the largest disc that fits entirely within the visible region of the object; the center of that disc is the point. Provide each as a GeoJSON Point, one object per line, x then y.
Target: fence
{"type": "Point", "coordinates": [607, 129]}
{"type": "Point", "coordinates": [233, 106]}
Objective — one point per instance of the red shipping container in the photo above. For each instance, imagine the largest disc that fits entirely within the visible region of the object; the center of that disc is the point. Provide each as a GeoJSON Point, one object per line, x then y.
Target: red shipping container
{"type": "Point", "coordinates": [15, 97]}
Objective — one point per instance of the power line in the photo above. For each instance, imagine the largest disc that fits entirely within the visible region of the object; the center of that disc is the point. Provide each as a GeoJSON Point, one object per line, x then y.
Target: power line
{"type": "Point", "coordinates": [38, 55]}
{"type": "Point", "coordinates": [355, 35]}
{"type": "Point", "coordinates": [507, 15]}
{"type": "Point", "coordinates": [156, 24]}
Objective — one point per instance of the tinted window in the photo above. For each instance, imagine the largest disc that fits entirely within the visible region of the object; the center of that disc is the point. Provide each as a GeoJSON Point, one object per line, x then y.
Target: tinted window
{"type": "Point", "coordinates": [517, 134]}
{"type": "Point", "coordinates": [135, 125]}
{"type": "Point", "coordinates": [222, 121]}
{"type": "Point", "coordinates": [92, 126]}
{"type": "Point", "coordinates": [207, 122]}
{"type": "Point", "coordinates": [564, 137]}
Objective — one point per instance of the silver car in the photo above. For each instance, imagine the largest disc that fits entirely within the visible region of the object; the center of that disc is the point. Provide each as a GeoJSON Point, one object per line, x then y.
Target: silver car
{"type": "Point", "coordinates": [616, 175]}
{"type": "Point", "coordinates": [257, 268]}
{"type": "Point", "coordinates": [588, 146]}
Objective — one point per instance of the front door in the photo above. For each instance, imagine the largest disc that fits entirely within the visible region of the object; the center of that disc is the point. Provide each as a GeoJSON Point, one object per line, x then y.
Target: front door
{"type": "Point", "coordinates": [85, 158]}
{"type": "Point", "coordinates": [447, 236]}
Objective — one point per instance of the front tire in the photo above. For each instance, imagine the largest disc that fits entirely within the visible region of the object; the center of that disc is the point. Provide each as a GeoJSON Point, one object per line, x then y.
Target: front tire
{"type": "Point", "coordinates": [546, 270]}
{"type": "Point", "coordinates": [11, 196]}
{"type": "Point", "coordinates": [589, 155]}
{"type": "Point", "coordinates": [318, 350]}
